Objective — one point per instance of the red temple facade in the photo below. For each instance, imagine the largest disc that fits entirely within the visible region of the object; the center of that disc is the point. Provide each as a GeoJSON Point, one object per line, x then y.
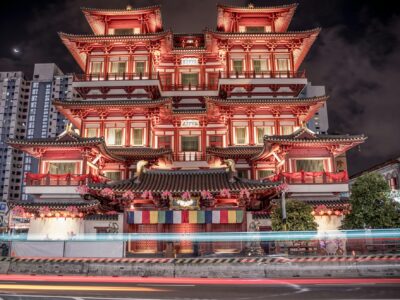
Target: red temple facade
{"type": "Point", "coordinates": [187, 132]}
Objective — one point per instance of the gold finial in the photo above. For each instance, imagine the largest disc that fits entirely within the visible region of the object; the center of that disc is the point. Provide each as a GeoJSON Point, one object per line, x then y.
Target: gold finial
{"type": "Point", "coordinates": [251, 5]}
{"type": "Point", "coordinates": [129, 7]}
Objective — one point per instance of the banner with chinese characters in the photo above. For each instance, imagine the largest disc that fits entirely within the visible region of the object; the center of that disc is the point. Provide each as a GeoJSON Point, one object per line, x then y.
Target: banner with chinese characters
{"type": "Point", "coordinates": [185, 217]}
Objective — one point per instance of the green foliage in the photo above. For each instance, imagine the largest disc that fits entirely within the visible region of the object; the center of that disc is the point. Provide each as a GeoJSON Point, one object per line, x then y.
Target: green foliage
{"type": "Point", "coordinates": [299, 217]}
{"type": "Point", "coordinates": [370, 204]}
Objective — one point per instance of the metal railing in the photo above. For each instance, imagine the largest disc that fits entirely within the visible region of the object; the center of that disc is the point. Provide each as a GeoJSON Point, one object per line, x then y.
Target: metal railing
{"type": "Point", "coordinates": [189, 156]}
{"type": "Point", "coordinates": [62, 179]}
{"type": "Point", "coordinates": [262, 74]}
{"type": "Point", "coordinates": [115, 76]}
{"type": "Point", "coordinates": [310, 177]}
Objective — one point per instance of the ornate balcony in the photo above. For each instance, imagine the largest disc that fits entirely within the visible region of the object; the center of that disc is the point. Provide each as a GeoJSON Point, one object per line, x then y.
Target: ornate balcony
{"type": "Point", "coordinates": [61, 179]}
{"type": "Point", "coordinates": [114, 76]}
{"type": "Point", "coordinates": [262, 74]}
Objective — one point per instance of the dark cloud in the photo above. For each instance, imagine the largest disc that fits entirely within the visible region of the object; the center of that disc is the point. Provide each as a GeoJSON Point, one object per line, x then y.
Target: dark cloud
{"type": "Point", "coordinates": [356, 56]}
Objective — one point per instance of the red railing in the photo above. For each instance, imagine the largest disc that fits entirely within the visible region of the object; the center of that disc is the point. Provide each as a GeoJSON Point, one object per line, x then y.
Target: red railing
{"type": "Point", "coordinates": [62, 179]}
{"type": "Point", "coordinates": [189, 156]}
{"type": "Point", "coordinates": [310, 177]}
{"type": "Point", "coordinates": [263, 74]}
{"type": "Point", "coordinates": [115, 76]}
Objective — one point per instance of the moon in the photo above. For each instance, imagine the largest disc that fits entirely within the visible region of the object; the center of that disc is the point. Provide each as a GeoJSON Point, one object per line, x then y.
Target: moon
{"type": "Point", "coordinates": [16, 50]}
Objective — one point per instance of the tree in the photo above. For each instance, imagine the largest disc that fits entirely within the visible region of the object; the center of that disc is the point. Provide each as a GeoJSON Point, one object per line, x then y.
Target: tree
{"type": "Point", "coordinates": [371, 206]}
{"type": "Point", "coordinates": [299, 217]}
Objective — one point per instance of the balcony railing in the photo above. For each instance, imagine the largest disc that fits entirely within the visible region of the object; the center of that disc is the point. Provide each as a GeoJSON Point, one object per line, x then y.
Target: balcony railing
{"type": "Point", "coordinates": [115, 76]}
{"type": "Point", "coordinates": [62, 179]}
{"type": "Point", "coordinates": [310, 177]}
{"type": "Point", "coordinates": [189, 156]}
{"type": "Point", "coordinates": [189, 87]}
{"type": "Point", "coordinates": [262, 74]}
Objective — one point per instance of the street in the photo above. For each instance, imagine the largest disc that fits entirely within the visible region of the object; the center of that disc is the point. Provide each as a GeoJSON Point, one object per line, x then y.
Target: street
{"type": "Point", "coordinates": [81, 288]}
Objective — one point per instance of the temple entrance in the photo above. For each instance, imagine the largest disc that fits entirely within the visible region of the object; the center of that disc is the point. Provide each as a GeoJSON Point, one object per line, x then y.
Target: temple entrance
{"type": "Point", "coordinates": [227, 247]}
{"type": "Point", "coordinates": [144, 246]}
{"type": "Point", "coordinates": [185, 247]}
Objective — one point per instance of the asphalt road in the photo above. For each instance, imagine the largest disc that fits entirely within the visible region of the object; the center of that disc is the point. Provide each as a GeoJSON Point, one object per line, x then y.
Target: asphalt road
{"type": "Point", "coordinates": [178, 289]}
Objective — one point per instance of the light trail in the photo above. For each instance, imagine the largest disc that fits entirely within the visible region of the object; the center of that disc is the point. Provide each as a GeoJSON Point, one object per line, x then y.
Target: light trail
{"type": "Point", "coordinates": [222, 236]}
{"type": "Point", "coordinates": [197, 281]}
{"type": "Point", "coordinates": [88, 288]}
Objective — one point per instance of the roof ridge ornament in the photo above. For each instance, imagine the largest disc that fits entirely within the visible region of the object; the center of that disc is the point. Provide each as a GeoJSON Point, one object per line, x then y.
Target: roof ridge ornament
{"type": "Point", "coordinates": [140, 169]}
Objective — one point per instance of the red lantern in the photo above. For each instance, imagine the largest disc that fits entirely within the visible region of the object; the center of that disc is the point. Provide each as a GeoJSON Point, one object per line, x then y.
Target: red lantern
{"type": "Point", "coordinates": [80, 215]}
{"type": "Point", "coordinates": [329, 212]}
{"type": "Point", "coordinates": [337, 212]}
{"type": "Point", "coordinates": [313, 212]}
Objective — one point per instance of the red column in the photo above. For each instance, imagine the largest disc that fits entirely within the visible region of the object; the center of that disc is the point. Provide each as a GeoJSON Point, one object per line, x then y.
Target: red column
{"type": "Point", "coordinates": [150, 65]}
{"type": "Point", "coordinates": [228, 69]}
{"type": "Point", "coordinates": [148, 133]}
{"type": "Point", "coordinates": [204, 139]}
{"type": "Point", "coordinates": [230, 129]}
{"type": "Point", "coordinates": [291, 64]}
{"type": "Point", "coordinates": [251, 129]}
{"type": "Point", "coordinates": [102, 129]}
{"type": "Point", "coordinates": [127, 132]}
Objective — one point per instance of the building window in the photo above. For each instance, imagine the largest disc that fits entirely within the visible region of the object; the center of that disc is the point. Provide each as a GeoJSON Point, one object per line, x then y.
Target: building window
{"type": "Point", "coordinates": [283, 66]}
{"type": "Point", "coordinates": [309, 165]}
{"type": "Point", "coordinates": [164, 142]}
{"type": "Point", "coordinates": [261, 174]}
{"type": "Point", "coordinates": [138, 136]}
{"type": "Point", "coordinates": [118, 67]}
{"type": "Point", "coordinates": [140, 67]}
{"type": "Point", "coordinates": [262, 131]}
{"type": "Point", "coordinates": [237, 65]}
{"type": "Point", "coordinates": [62, 167]}
{"type": "Point", "coordinates": [260, 65]}
{"type": "Point", "coordinates": [216, 140]}
{"type": "Point", "coordinates": [191, 79]}
{"type": "Point", "coordinates": [114, 136]}
{"type": "Point", "coordinates": [255, 29]}
{"type": "Point", "coordinates": [241, 135]}
{"type": "Point", "coordinates": [123, 31]}
{"type": "Point", "coordinates": [190, 143]}
{"type": "Point", "coordinates": [91, 132]}
{"type": "Point", "coordinates": [243, 174]}
{"type": "Point", "coordinates": [286, 129]}
{"type": "Point", "coordinates": [113, 176]}
{"type": "Point", "coordinates": [97, 67]}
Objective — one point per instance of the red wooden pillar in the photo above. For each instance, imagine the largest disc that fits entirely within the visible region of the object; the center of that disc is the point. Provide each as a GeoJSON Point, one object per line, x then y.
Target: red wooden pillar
{"type": "Point", "coordinates": [230, 132]}
{"type": "Point", "coordinates": [272, 57]}
{"type": "Point", "coordinates": [127, 132]}
{"type": "Point", "coordinates": [228, 69]}
{"type": "Point", "coordinates": [102, 129]}
{"type": "Point", "coordinates": [204, 139]}
{"type": "Point", "coordinates": [247, 57]}
{"type": "Point", "coordinates": [148, 133]}
{"type": "Point", "coordinates": [87, 64]}
{"type": "Point", "coordinates": [291, 64]}
{"type": "Point", "coordinates": [106, 61]}
{"type": "Point", "coordinates": [251, 129]}
{"type": "Point", "coordinates": [130, 65]}
{"type": "Point", "coordinates": [150, 65]}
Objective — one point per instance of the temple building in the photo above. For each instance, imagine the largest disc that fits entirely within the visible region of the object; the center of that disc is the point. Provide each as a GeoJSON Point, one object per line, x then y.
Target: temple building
{"type": "Point", "coordinates": [197, 132]}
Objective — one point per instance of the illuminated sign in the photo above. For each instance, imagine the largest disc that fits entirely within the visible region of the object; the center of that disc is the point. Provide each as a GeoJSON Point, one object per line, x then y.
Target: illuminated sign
{"type": "Point", "coordinates": [189, 61]}
{"type": "Point", "coordinates": [183, 204]}
{"type": "Point", "coordinates": [190, 123]}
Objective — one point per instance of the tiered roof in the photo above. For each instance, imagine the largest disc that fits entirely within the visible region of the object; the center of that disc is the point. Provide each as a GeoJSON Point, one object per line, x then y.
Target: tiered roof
{"type": "Point", "coordinates": [71, 140]}
{"type": "Point", "coordinates": [282, 14]}
{"type": "Point", "coordinates": [193, 181]}
{"type": "Point", "coordinates": [97, 17]}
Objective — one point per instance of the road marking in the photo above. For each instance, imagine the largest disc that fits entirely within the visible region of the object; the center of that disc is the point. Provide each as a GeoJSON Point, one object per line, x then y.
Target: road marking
{"type": "Point", "coordinates": [28, 296]}
{"type": "Point", "coordinates": [166, 285]}
{"type": "Point", "coordinates": [77, 288]}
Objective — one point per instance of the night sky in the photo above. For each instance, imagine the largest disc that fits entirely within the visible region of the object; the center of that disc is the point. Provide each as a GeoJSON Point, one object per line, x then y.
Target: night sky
{"type": "Point", "coordinates": [356, 56]}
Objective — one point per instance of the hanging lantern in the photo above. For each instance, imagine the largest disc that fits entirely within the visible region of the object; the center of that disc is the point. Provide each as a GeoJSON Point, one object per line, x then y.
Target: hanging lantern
{"type": "Point", "coordinates": [329, 212]}
{"type": "Point", "coordinates": [57, 214]}
{"type": "Point", "coordinates": [42, 215]}
{"type": "Point", "coordinates": [321, 212]}
{"type": "Point", "coordinates": [80, 215]}
{"type": "Point", "coordinates": [337, 212]}
{"type": "Point", "coordinates": [313, 212]}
